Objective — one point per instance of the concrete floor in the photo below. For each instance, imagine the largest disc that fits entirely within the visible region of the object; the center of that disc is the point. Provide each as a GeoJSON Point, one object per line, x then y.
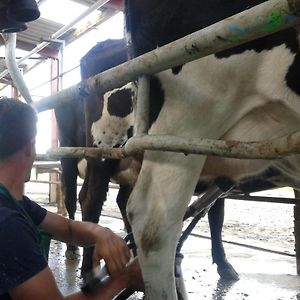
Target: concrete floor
{"type": "Point", "coordinates": [263, 275]}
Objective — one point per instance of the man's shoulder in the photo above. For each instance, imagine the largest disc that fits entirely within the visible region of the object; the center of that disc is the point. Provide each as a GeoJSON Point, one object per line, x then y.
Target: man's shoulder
{"type": "Point", "coordinates": [9, 217]}
{"type": "Point", "coordinates": [7, 212]}
{"type": "Point", "coordinates": [36, 212]}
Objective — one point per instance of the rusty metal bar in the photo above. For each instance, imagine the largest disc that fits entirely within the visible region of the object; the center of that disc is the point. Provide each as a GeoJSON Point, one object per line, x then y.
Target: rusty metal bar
{"type": "Point", "coordinates": [271, 149]}
{"type": "Point", "coordinates": [261, 20]}
{"type": "Point", "coordinates": [81, 152]}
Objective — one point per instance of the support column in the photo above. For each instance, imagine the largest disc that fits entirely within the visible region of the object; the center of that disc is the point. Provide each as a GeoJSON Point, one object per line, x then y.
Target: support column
{"type": "Point", "coordinates": [297, 231]}
{"type": "Point", "coordinates": [54, 194]}
{"type": "Point", "coordinates": [14, 92]}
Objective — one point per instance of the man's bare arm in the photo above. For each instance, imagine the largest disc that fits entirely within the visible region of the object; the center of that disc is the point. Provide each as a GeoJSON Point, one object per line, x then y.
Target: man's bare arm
{"type": "Point", "coordinates": [108, 245]}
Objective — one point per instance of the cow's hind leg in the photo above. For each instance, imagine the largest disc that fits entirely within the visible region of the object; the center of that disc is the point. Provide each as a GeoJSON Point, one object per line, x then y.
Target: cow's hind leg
{"type": "Point", "coordinates": [155, 209]}
{"type": "Point", "coordinates": [216, 219]}
{"type": "Point", "coordinates": [69, 182]}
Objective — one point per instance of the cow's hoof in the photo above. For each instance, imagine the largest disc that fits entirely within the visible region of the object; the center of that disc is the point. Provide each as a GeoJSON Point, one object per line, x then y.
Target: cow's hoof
{"type": "Point", "coordinates": [228, 273]}
{"type": "Point", "coordinates": [72, 252]}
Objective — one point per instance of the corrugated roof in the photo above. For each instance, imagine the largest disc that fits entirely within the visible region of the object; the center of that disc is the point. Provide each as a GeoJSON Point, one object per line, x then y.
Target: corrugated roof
{"type": "Point", "coordinates": [42, 29]}
{"type": "Point", "coordinates": [38, 31]}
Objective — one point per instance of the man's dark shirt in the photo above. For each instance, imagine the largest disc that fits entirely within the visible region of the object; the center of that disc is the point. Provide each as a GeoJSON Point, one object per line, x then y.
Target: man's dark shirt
{"type": "Point", "coordinates": [20, 254]}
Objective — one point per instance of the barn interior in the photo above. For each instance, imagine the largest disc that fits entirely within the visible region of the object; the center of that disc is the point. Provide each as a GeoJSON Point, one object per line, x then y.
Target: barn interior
{"type": "Point", "coordinates": [260, 247]}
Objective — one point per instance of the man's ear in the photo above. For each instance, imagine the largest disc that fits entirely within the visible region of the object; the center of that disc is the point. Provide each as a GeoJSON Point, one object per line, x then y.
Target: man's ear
{"type": "Point", "coordinates": [28, 149]}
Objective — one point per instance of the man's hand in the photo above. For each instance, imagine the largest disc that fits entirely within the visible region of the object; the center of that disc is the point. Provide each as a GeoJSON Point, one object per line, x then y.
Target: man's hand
{"type": "Point", "coordinates": [113, 249]}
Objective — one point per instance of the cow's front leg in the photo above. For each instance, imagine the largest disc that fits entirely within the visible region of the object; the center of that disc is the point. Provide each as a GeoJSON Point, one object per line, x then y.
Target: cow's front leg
{"type": "Point", "coordinates": [92, 197]}
{"type": "Point", "coordinates": [155, 210]}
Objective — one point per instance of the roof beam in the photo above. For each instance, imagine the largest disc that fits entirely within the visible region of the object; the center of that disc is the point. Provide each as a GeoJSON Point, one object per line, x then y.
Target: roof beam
{"type": "Point", "coordinates": [47, 52]}
{"type": "Point", "coordinates": [60, 32]}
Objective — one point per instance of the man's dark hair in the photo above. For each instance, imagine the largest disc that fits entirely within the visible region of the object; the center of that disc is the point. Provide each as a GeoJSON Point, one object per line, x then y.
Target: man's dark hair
{"type": "Point", "coordinates": [17, 126]}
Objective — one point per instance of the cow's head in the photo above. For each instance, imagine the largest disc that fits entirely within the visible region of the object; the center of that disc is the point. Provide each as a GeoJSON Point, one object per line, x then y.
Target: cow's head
{"type": "Point", "coordinates": [116, 122]}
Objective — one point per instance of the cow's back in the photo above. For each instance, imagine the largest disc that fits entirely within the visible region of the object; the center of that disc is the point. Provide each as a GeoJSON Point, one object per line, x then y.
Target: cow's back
{"type": "Point", "coordinates": [158, 22]}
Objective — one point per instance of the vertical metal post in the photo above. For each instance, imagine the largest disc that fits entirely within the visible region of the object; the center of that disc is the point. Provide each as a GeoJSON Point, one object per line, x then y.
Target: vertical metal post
{"type": "Point", "coordinates": [141, 124]}
{"type": "Point", "coordinates": [53, 193]}
{"type": "Point", "coordinates": [14, 91]}
{"type": "Point", "coordinates": [297, 235]}
{"type": "Point", "coordinates": [297, 231]}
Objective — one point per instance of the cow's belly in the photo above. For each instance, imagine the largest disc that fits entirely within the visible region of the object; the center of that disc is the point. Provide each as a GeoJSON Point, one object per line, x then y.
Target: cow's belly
{"type": "Point", "coordinates": [210, 95]}
{"type": "Point", "coordinates": [243, 97]}
{"type": "Point", "coordinates": [270, 121]}
{"type": "Point", "coordinates": [253, 175]}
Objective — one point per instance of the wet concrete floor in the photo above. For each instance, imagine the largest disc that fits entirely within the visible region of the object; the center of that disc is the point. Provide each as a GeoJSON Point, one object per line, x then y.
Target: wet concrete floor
{"type": "Point", "coordinates": [263, 275]}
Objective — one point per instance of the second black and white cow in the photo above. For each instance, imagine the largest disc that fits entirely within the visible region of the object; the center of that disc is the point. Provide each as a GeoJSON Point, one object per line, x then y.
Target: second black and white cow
{"type": "Point", "coordinates": [115, 125]}
{"type": "Point", "coordinates": [74, 128]}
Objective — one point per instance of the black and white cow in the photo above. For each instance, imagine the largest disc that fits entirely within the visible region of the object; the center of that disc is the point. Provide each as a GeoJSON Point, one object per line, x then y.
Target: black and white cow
{"type": "Point", "coordinates": [73, 126]}
{"type": "Point", "coordinates": [113, 129]}
{"type": "Point", "coordinates": [106, 133]}
{"type": "Point", "coordinates": [250, 91]}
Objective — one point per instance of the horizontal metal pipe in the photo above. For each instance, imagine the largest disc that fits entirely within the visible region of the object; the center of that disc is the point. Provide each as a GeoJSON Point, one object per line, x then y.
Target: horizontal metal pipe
{"type": "Point", "coordinates": [44, 181]}
{"type": "Point", "coordinates": [261, 20]}
{"type": "Point", "coordinates": [66, 96]}
{"type": "Point", "coordinates": [81, 152]}
{"type": "Point", "coordinates": [279, 200]}
{"type": "Point", "coordinates": [270, 149]}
